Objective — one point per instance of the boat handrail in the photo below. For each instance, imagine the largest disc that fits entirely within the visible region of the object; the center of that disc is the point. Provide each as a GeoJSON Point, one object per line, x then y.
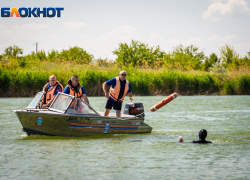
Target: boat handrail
{"type": "Point", "coordinates": [73, 98]}
{"type": "Point", "coordinates": [90, 107]}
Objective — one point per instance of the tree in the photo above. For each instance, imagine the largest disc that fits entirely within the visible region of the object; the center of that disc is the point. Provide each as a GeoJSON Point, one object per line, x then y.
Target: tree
{"type": "Point", "coordinates": [213, 58]}
{"type": "Point", "coordinates": [138, 53]}
{"type": "Point", "coordinates": [14, 51]}
{"type": "Point", "coordinates": [218, 70]}
{"type": "Point", "coordinates": [188, 57]}
{"type": "Point", "coordinates": [245, 60]}
{"type": "Point", "coordinates": [76, 54]}
{"type": "Point", "coordinates": [228, 54]}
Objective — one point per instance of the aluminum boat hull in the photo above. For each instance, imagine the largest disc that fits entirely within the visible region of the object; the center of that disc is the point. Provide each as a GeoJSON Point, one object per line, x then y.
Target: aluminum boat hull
{"type": "Point", "coordinates": [45, 122]}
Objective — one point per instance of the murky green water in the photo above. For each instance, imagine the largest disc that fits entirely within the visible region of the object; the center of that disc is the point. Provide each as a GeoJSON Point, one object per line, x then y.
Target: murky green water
{"type": "Point", "coordinates": [145, 156]}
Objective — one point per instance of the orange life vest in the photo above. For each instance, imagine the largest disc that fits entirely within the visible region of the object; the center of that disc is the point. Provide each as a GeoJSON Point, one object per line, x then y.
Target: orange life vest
{"type": "Point", "coordinates": [76, 94]}
{"type": "Point", "coordinates": [50, 93]}
{"type": "Point", "coordinates": [114, 92]}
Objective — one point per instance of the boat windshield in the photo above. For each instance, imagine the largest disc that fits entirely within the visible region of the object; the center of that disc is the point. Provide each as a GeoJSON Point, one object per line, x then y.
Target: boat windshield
{"type": "Point", "coordinates": [69, 104]}
{"type": "Point", "coordinates": [61, 102]}
{"type": "Point", "coordinates": [80, 107]}
{"type": "Point", "coordinates": [35, 103]}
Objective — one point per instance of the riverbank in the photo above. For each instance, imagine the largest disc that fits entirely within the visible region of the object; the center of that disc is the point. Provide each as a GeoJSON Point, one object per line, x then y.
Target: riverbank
{"type": "Point", "coordinates": [26, 82]}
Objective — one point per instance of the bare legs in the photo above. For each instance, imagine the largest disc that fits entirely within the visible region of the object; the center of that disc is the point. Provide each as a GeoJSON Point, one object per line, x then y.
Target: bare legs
{"type": "Point", "coordinates": [118, 113]}
{"type": "Point", "coordinates": [107, 111]}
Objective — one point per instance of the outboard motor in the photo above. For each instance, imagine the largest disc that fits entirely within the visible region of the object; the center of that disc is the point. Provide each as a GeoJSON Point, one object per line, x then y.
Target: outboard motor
{"type": "Point", "coordinates": [133, 108]}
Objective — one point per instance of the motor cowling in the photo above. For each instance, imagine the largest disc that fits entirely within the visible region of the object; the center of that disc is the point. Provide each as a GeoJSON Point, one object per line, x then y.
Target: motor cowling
{"type": "Point", "coordinates": [133, 108]}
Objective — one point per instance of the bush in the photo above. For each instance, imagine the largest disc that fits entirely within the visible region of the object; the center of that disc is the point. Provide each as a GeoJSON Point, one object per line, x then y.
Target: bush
{"type": "Point", "coordinates": [218, 70]}
{"type": "Point", "coordinates": [228, 54]}
{"type": "Point", "coordinates": [185, 58]}
{"type": "Point", "coordinates": [41, 55]}
{"type": "Point", "coordinates": [138, 54]}
{"type": "Point", "coordinates": [209, 61]}
{"type": "Point", "coordinates": [28, 83]}
{"type": "Point", "coordinates": [14, 51]}
{"type": "Point", "coordinates": [74, 54]}
{"type": "Point", "coordinates": [229, 88]}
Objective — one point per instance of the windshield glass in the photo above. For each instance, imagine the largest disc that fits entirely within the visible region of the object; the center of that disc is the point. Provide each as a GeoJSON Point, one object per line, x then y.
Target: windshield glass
{"type": "Point", "coordinates": [36, 101]}
{"type": "Point", "coordinates": [78, 106]}
{"type": "Point", "coordinates": [61, 102]}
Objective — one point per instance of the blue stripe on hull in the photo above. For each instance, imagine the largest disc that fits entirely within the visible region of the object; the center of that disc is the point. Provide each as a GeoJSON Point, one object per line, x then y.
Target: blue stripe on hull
{"type": "Point", "coordinates": [102, 127]}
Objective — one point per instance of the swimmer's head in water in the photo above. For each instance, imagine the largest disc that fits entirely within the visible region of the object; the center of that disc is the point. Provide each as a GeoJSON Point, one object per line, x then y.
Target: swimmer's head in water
{"type": "Point", "coordinates": [203, 134]}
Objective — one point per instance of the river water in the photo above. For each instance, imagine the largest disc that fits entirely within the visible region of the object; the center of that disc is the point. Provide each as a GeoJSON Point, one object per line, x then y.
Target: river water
{"type": "Point", "coordinates": [157, 155]}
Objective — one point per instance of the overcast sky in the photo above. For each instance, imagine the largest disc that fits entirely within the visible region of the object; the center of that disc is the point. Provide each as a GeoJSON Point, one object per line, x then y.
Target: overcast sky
{"type": "Point", "coordinates": [98, 26]}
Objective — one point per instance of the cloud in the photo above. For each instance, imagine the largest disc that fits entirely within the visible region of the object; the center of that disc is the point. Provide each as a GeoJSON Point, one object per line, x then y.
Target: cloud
{"type": "Point", "coordinates": [123, 33]}
{"type": "Point", "coordinates": [125, 30]}
{"type": "Point", "coordinates": [22, 28]}
{"type": "Point", "coordinates": [119, 34]}
{"type": "Point", "coordinates": [154, 36]}
{"type": "Point", "coordinates": [220, 38]}
{"type": "Point", "coordinates": [215, 39]}
{"type": "Point", "coordinates": [214, 1]}
{"type": "Point", "coordinates": [218, 11]}
{"type": "Point", "coordinates": [2, 26]}
{"type": "Point", "coordinates": [212, 39]}
{"type": "Point", "coordinates": [4, 30]}
{"type": "Point", "coordinates": [126, 33]}
{"type": "Point", "coordinates": [193, 40]}
{"type": "Point", "coordinates": [31, 26]}
{"type": "Point", "coordinates": [72, 25]}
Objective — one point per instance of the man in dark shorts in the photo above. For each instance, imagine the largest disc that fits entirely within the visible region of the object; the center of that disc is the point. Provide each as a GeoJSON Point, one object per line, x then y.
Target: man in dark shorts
{"type": "Point", "coordinates": [119, 88]}
{"type": "Point", "coordinates": [202, 137]}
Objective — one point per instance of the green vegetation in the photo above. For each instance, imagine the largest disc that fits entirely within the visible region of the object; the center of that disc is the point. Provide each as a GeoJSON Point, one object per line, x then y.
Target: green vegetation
{"type": "Point", "coordinates": [138, 54]}
{"type": "Point", "coordinates": [185, 58]}
{"type": "Point", "coordinates": [185, 70]}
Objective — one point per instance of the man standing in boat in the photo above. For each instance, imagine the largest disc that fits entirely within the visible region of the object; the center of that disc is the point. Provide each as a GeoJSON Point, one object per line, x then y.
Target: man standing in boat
{"type": "Point", "coordinates": [119, 88]}
{"type": "Point", "coordinates": [51, 89]}
{"type": "Point", "coordinates": [74, 89]}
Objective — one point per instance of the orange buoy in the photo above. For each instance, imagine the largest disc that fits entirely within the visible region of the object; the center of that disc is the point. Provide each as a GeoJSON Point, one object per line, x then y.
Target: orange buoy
{"type": "Point", "coordinates": [163, 102]}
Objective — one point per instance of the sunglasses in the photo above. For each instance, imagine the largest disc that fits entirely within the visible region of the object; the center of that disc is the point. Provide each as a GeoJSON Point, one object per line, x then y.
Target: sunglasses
{"type": "Point", "coordinates": [124, 74]}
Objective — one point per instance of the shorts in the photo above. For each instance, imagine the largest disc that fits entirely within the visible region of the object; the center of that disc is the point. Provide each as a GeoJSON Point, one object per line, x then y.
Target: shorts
{"type": "Point", "coordinates": [116, 105]}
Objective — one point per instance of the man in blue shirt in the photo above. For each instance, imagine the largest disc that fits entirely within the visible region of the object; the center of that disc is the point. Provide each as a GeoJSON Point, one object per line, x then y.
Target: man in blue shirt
{"type": "Point", "coordinates": [119, 88]}
{"type": "Point", "coordinates": [51, 89]}
{"type": "Point", "coordinates": [73, 88]}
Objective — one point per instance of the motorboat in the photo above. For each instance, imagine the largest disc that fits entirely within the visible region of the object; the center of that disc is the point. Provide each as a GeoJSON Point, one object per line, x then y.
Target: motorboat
{"type": "Point", "coordinates": [72, 117]}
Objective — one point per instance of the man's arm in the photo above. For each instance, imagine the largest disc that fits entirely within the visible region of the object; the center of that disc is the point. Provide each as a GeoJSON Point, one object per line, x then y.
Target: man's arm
{"type": "Point", "coordinates": [130, 93]}
{"type": "Point", "coordinates": [85, 98]}
{"type": "Point", "coordinates": [130, 96]}
{"type": "Point", "coordinates": [48, 103]}
{"type": "Point", "coordinates": [104, 87]}
{"type": "Point", "coordinates": [84, 95]}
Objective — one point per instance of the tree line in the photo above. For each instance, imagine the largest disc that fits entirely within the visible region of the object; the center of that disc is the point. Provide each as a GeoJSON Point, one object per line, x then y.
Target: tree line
{"type": "Point", "coordinates": [135, 54]}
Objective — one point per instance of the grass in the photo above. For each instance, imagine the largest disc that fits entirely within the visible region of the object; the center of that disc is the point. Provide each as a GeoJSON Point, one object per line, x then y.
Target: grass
{"type": "Point", "coordinates": [27, 81]}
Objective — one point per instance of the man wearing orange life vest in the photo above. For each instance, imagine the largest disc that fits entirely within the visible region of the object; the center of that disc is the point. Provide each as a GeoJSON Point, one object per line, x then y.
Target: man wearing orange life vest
{"type": "Point", "coordinates": [73, 88]}
{"type": "Point", "coordinates": [51, 89]}
{"type": "Point", "coordinates": [119, 88]}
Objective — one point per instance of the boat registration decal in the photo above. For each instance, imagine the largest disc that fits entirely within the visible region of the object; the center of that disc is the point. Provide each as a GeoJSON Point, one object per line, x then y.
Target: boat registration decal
{"type": "Point", "coordinates": [102, 127]}
{"type": "Point", "coordinates": [99, 122]}
{"type": "Point", "coordinates": [136, 123]}
{"type": "Point", "coordinates": [39, 121]}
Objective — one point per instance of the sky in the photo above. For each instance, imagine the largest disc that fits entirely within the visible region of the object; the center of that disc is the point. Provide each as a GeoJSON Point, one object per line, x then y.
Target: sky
{"type": "Point", "coordinates": [99, 26]}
